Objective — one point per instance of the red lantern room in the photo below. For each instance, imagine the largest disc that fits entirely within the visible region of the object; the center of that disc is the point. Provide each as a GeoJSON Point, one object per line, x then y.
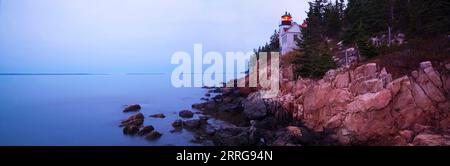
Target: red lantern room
{"type": "Point", "coordinates": [286, 19]}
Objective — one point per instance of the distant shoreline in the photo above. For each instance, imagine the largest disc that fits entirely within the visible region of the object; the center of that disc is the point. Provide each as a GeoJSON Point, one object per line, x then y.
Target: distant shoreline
{"type": "Point", "coordinates": [74, 74]}
{"type": "Point", "coordinates": [5, 74]}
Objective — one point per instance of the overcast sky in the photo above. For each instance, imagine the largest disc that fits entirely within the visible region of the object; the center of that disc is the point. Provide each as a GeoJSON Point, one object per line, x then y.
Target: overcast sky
{"type": "Point", "coordinates": [110, 36]}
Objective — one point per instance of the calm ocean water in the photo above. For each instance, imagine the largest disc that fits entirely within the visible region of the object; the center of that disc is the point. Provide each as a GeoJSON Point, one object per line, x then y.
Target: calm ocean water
{"type": "Point", "coordinates": [87, 109]}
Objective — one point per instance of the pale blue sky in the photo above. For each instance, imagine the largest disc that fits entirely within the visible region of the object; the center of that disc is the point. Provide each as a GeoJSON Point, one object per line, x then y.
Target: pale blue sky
{"type": "Point", "coordinates": [107, 36]}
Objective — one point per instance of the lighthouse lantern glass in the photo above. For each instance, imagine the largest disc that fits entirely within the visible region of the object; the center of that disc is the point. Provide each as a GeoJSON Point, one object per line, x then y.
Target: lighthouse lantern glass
{"type": "Point", "coordinates": [286, 18]}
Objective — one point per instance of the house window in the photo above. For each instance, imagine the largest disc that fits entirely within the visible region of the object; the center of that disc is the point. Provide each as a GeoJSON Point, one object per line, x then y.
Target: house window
{"type": "Point", "coordinates": [284, 40]}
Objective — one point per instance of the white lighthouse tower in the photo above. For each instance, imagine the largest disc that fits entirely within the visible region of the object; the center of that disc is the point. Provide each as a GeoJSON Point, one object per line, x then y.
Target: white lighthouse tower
{"type": "Point", "coordinates": [289, 32]}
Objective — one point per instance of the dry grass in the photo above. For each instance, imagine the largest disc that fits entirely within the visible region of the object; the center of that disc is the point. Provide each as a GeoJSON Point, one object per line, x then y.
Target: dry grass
{"type": "Point", "coordinates": [401, 60]}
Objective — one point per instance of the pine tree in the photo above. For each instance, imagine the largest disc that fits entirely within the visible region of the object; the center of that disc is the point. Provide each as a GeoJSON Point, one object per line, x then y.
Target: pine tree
{"type": "Point", "coordinates": [429, 17]}
{"type": "Point", "coordinates": [372, 14]}
{"type": "Point", "coordinates": [313, 58]}
{"type": "Point", "coordinates": [272, 46]}
{"type": "Point", "coordinates": [275, 42]}
{"type": "Point", "coordinates": [332, 20]}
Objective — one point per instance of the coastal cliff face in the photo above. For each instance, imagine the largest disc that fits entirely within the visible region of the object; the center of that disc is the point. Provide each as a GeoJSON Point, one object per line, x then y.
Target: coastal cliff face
{"type": "Point", "coordinates": [365, 106]}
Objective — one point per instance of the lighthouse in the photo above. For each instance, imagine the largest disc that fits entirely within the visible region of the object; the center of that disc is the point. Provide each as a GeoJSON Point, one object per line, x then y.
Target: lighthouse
{"type": "Point", "coordinates": [289, 31]}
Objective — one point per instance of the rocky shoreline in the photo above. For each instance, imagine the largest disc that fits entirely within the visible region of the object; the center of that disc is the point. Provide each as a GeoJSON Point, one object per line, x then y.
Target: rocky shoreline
{"type": "Point", "coordinates": [358, 106]}
{"type": "Point", "coordinates": [236, 127]}
{"type": "Point", "coordinates": [349, 106]}
{"type": "Point", "coordinates": [247, 123]}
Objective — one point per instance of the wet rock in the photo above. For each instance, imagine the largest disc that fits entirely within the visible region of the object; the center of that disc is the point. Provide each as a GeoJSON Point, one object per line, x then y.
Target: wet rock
{"type": "Point", "coordinates": [198, 106]}
{"type": "Point", "coordinates": [204, 118]}
{"type": "Point", "coordinates": [132, 108]}
{"type": "Point", "coordinates": [210, 130]}
{"type": "Point", "coordinates": [186, 114]}
{"type": "Point", "coordinates": [154, 135]}
{"type": "Point", "coordinates": [207, 87]}
{"type": "Point", "coordinates": [291, 135]}
{"type": "Point", "coordinates": [146, 130]}
{"type": "Point", "coordinates": [228, 99]}
{"type": "Point", "coordinates": [254, 107]}
{"type": "Point", "coordinates": [268, 123]}
{"type": "Point", "coordinates": [177, 124]}
{"type": "Point", "coordinates": [210, 106]}
{"type": "Point", "coordinates": [130, 130]}
{"type": "Point", "coordinates": [217, 90]}
{"type": "Point", "coordinates": [198, 139]}
{"type": "Point", "coordinates": [207, 94]}
{"type": "Point", "coordinates": [135, 120]}
{"type": "Point", "coordinates": [232, 136]}
{"type": "Point", "coordinates": [176, 130]}
{"type": "Point", "coordinates": [158, 116]}
{"type": "Point", "coordinates": [192, 124]}
{"type": "Point", "coordinates": [357, 106]}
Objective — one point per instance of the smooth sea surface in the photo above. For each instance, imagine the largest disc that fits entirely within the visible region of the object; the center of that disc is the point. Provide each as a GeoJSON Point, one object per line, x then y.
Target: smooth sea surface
{"type": "Point", "coordinates": [73, 110]}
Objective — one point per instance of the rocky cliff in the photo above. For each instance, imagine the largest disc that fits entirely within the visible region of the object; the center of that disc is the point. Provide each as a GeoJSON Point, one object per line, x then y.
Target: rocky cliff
{"type": "Point", "coordinates": [365, 106]}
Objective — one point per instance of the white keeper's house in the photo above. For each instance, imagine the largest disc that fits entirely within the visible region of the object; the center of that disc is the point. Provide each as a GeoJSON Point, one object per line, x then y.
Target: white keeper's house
{"type": "Point", "coordinates": [289, 31]}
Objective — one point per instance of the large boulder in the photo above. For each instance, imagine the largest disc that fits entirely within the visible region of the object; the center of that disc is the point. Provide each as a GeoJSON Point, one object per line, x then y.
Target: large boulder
{"type": "Point", "coordinates": [135, 120]}
{"type": "Point", "coordinates": [291, 135]}
{"type": "Point", "coordinates": [367, 126]}
{"type": "Point", "coordinates": [132, 108]}
{"type": "Point", "coordinates": [158, 116]}
{"type": "Point", "coordinates": [430, 89]}
{"type": "Point", "coordinates": [154, 135]}
{"type": "Point", "coordinates": [370, 101]}
{"type": "Point", "coordinates": [315, 98]}
{"type": "Point", "coordinates": [366, 106]}
{"type": "Point", "coordinates": [434, 76]}
{"type": "Point", "coordinates": [364, 72]}
{"type": "Point", "coordinates": [395, 85]}
{"type": "Point", "coordinates": [254, 107]}
{"type": "Point", "coordinates": [130, 130]}
{"type": "Point", "coordinates": [186, 114]}
{"type": "Point", "coordinates": [192, 124]}
{"type": "Point", "coordinates": [146, 130]}
{"type": "Point", "coordinates": [232, 136]}
{"type": "Point", "coordinates": [177, 124]}
{"type": "Point", "coordinates": [431, 140]}
{"type": "Point", "coordinates": [368, 86]}
{"type": "Point", "coordinates": [342, 80]}
{"type": "Point", "coordinates": [420, 98]}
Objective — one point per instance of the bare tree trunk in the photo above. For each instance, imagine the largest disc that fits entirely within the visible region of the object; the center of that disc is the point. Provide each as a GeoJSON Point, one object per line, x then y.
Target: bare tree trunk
{"type": "Point", "coordinates": [391, 22]}
{"type": "Point", "coordinates": [390, 36]}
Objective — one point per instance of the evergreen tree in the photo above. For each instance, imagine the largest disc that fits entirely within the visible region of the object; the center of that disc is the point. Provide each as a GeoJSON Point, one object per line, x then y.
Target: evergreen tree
{"type": "Point", "coordinates": [275, 42]}
{"type": "Point", "coordinates": [313, 58]}
{"type": "Point", "coordinates": [429, 17]}
{"type": "Point", "coordinates": [272, 46]}
{"type": "Point", "coordinates": [332, 20]}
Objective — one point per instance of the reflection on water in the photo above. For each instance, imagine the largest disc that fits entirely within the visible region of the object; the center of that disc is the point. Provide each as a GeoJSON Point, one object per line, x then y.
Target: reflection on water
{"type": "Point", "coordinates": [85, 109]}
